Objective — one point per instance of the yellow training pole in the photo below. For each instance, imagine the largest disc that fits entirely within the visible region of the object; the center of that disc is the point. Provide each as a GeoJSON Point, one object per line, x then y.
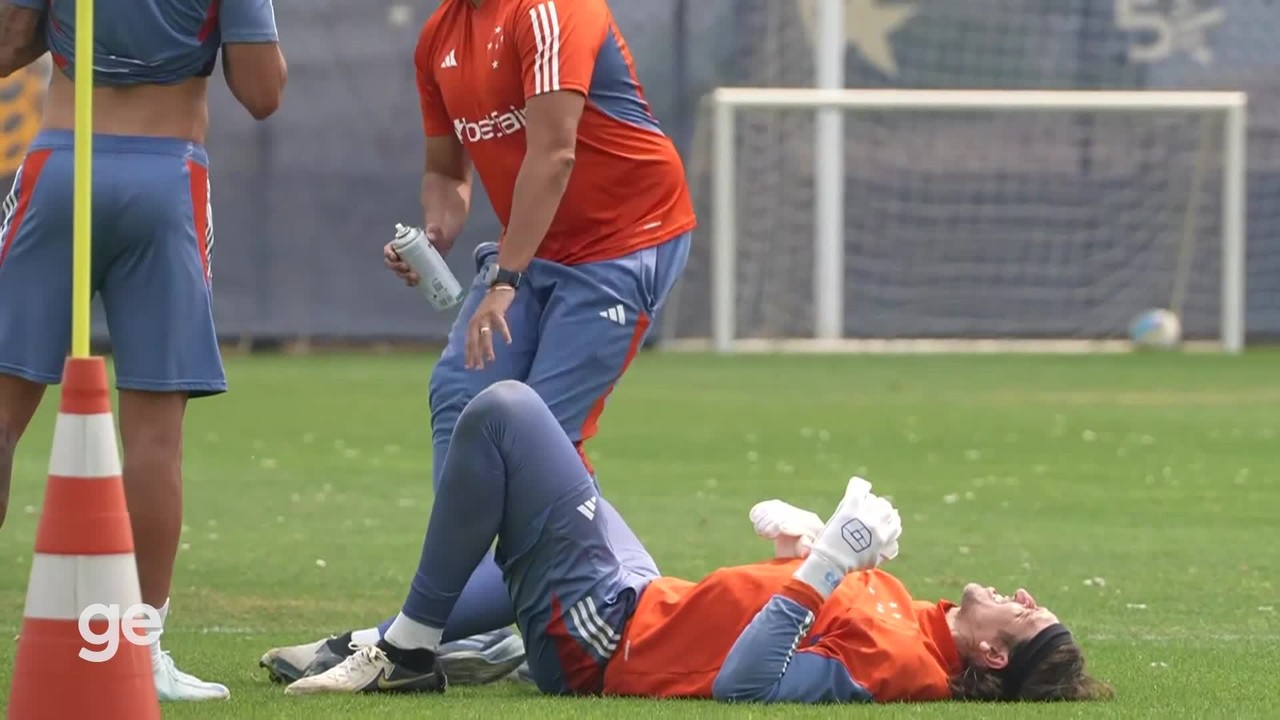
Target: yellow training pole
{"type": "Point", "coordinates": [83, 182]}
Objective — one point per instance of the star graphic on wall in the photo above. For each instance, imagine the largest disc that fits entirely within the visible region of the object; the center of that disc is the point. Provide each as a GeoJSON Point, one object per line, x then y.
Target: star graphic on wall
{"type": "Point", "coordinates": [868, 26]}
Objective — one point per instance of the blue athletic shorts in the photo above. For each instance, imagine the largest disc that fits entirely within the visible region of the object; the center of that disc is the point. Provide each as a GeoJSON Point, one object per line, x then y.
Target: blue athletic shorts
{"type": "Point", "coordinates": [152, 249]}
{"type": "Point", "coordinates": [574, 331]}
{"type": "Point", "coordinates": [575, 581]}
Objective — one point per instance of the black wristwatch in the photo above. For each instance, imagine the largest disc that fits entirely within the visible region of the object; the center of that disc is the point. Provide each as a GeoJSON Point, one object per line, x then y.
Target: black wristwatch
{"type": "Point", "coordinates": [502, 276]}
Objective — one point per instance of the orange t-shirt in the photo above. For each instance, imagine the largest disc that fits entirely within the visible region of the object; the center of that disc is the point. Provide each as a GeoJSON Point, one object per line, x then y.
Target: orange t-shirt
{"type": "Point", "coordinates": [897, 648]}
{"type": "Point", "coordinates": [477, 67]}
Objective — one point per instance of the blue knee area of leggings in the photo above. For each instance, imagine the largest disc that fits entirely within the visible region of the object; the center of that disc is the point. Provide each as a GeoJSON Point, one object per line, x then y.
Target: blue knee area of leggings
{"type": "Point", "coordinates": [458, 582]}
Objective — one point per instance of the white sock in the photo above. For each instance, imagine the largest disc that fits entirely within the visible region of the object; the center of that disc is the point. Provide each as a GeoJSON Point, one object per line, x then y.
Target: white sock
{"type": "Point", "coordinates": [823, 576]}
{"type": "Point", "coordinates": [163, 611]}
{"type": "Point", "coordinates": [408, 634]}
{"type": "Point", "coordinates": [367, 636]}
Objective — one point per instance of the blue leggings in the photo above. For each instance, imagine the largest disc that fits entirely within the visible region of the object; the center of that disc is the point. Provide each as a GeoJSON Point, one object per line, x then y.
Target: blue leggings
{"type": "Point", "coordinates": [512, 474]}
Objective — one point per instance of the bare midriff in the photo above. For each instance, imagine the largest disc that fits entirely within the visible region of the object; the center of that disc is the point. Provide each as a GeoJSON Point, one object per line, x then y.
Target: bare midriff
{"type": "Point", "coordinates": [180, 110]}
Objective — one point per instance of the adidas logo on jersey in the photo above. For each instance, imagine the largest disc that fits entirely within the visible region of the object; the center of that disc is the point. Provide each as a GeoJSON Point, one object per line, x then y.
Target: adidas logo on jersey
{"type": "Point", "coordinates": [450, 60]}
{"type": "Point", "coordinates": [588, 508]}
{"type": "Point", "coordinates": [617, 314]}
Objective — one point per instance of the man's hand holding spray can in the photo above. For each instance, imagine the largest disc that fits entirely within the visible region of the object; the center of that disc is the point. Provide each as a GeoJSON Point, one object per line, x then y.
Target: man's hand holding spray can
{"type": "Point", "coordinates": [436, 281]}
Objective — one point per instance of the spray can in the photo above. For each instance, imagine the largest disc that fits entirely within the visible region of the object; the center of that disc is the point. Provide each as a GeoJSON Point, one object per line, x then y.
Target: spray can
{"type": "Point", "coordinates": [438, 284]}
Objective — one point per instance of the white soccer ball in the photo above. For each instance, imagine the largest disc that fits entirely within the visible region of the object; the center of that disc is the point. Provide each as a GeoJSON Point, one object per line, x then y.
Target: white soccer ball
{"type": "Point", "coordinates": [1157, 329]}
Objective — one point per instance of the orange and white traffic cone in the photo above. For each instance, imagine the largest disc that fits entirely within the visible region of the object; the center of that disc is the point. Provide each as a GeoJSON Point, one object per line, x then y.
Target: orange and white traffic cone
{"type": "Point", "coordinates": [84, 556]}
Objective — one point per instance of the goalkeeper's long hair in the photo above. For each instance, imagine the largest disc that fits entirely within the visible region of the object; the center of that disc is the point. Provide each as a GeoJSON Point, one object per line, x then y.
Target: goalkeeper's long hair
{"type": "Point", "coordinates": [1058, 676]}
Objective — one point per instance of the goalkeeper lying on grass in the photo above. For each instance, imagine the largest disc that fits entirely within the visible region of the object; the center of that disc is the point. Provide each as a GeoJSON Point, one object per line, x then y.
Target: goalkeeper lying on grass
{"type": "Point", "coordinates": [819, 624]}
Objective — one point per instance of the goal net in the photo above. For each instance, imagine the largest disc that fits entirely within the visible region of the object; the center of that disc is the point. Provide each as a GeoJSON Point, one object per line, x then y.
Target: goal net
{"type": "Point", "coordinates": [967, 220]}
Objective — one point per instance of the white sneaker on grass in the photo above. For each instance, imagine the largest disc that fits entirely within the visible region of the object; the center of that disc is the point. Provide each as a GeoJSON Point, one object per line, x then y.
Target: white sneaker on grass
{"type": "Point", "coordinates": [377, 668]}
{"type": "Point", "coordinates": [294, 662]}
{"type": "Point", "coordinates": [173, 685]}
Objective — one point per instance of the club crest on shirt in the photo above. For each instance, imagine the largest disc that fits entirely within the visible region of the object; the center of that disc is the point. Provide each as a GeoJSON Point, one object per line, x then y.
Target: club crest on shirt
{"type": "Point", "coordinates": [494, 47]}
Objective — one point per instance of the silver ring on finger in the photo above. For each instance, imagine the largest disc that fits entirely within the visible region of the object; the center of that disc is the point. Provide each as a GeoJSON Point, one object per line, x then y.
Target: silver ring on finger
{"type": "Point", "coordinates": [484, 330]}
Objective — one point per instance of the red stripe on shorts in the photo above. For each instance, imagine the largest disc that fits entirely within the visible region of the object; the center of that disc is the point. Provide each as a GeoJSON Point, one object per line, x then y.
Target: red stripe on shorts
{"type": "Point", "coordinates": [592, 421]}
{"type": "Point", "coordinates": [582, 673]}
{"type": "Point", "coordinates": [28, 175]}
{"type": "Point", "coordinates": [200, 210]}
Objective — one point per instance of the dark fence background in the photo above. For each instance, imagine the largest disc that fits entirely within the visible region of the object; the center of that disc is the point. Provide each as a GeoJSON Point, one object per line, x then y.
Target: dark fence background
{"type": "Point", "coordinates": [304, 201]}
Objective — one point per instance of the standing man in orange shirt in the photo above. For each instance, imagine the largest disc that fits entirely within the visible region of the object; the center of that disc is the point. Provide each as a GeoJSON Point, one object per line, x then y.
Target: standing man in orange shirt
{"type": "Point", "coordinates": [820, 623]}
{"type": "Point", "coordinates": [541, 98]}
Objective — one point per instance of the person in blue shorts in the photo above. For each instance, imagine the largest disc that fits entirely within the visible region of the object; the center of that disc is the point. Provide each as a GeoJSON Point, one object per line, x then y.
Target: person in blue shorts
{"type": "Point", "coordinates": [152, 233]}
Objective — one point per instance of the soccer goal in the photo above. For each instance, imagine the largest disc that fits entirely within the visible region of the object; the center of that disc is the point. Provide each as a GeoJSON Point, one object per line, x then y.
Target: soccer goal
{"type": "Point", "coordinates": [969, 220]}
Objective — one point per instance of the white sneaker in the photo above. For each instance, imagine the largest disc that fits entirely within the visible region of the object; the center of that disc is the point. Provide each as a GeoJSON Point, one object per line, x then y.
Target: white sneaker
{"type": "Point", "coordinates": [370, 670]}
{"type": "Point", "coordinates": [862, 533]}
{"type": "Point", "coordinates": [174, 685]}
{"type": "Point", "coordinates": [791, 529]}
{"type": "Point", "coordinates": [287, 664]}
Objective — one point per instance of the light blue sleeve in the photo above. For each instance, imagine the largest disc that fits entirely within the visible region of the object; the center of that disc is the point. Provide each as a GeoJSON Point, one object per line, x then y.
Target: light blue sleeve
{"type": "Point", "coordinates": [765, 666]}
{"type": "Point", "coordinates": [248, 21]}
{"type": "Point", "coordinates": [41, 5]}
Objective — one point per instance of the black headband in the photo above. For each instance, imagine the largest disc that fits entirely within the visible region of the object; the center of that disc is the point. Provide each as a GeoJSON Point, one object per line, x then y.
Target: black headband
{"type": "Point", "coordinates": [1029, 655]}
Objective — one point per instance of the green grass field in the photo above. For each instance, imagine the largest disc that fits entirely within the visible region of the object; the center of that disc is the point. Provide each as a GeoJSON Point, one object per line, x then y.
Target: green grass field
{"type": "Point", "coordinates": [1137, 496]}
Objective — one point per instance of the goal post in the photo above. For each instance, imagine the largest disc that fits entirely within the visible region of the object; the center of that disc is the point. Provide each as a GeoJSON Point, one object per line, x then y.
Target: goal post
{"type": "Point", "coordinates": [830, 278]}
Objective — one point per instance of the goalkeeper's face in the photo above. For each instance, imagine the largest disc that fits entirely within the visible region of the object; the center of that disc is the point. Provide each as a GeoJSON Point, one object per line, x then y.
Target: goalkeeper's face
{"type": "Point", "coordinates": [988, 624]}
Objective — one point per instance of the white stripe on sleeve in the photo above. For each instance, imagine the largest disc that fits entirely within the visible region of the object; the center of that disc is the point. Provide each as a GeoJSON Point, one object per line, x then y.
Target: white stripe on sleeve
{"type": "Point", "coordinates": [546, 36]}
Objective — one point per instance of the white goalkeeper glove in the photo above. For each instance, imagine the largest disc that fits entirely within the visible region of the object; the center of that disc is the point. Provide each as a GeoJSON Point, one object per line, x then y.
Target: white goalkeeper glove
{"type": "Point", "coordinates": [862, 534]}
{"type": "Point", "coordinates": [791, 529]}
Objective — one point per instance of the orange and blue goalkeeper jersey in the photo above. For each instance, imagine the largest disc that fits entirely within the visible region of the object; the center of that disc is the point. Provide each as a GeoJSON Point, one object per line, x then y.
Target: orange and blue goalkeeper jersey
{"type": "Point", "coordinates": [477, 67]}
{"type": "Point", "coordinates": [752, 633]}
